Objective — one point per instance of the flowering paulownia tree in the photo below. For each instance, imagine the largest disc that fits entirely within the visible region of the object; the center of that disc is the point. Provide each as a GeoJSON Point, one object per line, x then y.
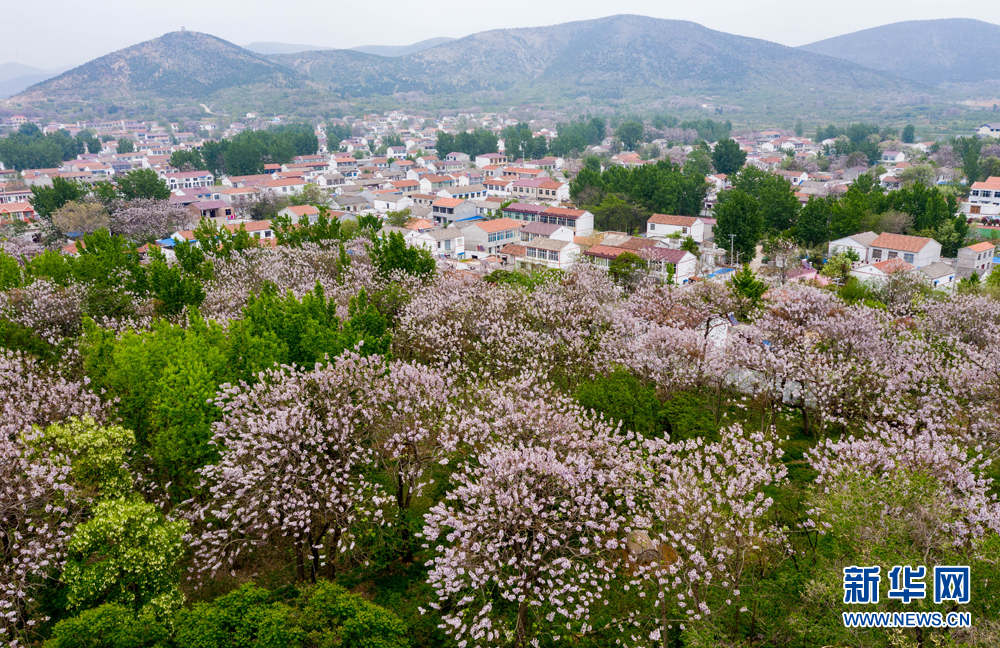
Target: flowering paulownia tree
{"type": "Point", "coordinates": [292, 465]}
{"type": "Point", "coordinates": [709, 517]}
{"type": "Point", "coordinates": [533, 536]}
{"type": "Point", "coordinates": [39, 497]}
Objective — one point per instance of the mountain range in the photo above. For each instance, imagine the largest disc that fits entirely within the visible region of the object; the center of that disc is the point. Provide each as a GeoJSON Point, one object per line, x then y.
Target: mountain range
{"type": "Point", "coordinates": [622, 60]}
{"type": "Point", "coordinates": [16, 77]}
{"type": "Point", "coordinates": [956, 50]}
{"type": "Point", "coordinates": [267, 48]}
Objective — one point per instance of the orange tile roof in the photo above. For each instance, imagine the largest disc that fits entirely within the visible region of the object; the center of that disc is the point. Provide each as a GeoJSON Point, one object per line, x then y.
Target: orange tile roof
{"type": "Point", "coordinates": [991, 183]}
{"type": "Point", "coordinates": [448, 202]}
{"type": "Point", "coordinates": [893, 265]}
{"type": "Point", "coordinates": [900, 242]}
{"type": "Point", "coordinates": [499, 224]}
{"type": "Point", "coordinates": [677, 221]}
{"type": "Point", "coordinates": [982, 247]}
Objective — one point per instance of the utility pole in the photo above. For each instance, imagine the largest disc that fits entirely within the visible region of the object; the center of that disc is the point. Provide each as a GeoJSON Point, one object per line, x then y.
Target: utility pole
{"type": "Point", "coordinates": [732, 257]}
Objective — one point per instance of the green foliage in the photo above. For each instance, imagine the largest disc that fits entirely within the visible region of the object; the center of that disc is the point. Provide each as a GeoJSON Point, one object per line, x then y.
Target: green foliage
{"type": "Point", "coordinates": [48, 200]}
{"type": "Point", "coordinates": [143, 183]}
{"type": "Point", "coordinates": [709, 129]}
{"type": "Point", "coordinates": [109, 626]}
{"type": "Point", "coordinates": [745, 284]}
{"type": "Point", "coordinates": [968, 149]}
{"type": "Point", "coordinates": [11, 275]}
{"type": "Point", "coordinates": [248, 152]}
{"type": "Point", "coordinates": [283, 330]}
{"type": "Point", "coordinates": [774, 195]}
{"type": "Point", "coordinates": [699, 163]}
{"type": "Point", "coordinates": [630, 133]}
{"type": "Point", "coordinates": [192, 158]}
{"type": "Point", "coordinates": [909, 134]}
{"type": "Point", "coordinates": [690, 245]}
{"type": "Point", "coordinates": [324, 615]}
{"type": "Point", "coordinates": [125, 145]}
{"type": "Point", "coordinates": [174, 287]}
{"type": "Point", "coordinates": [398, 218]}
{"type": "Point", "coordinates": [29, 148]}
{"type": "Point", "coordinates": [98, 454]}
{"type": "Point", "coordinates": [520, 143]}
{"type": "Point", "coordinates": [391, 253]}
{"type": "Point", "coordinates": [575, 137]}
{"type": "Point", "coordinates": [728, 157]}
{"type": "Point", "coordinates": [478, 142]}
{"type": "Point", "coordinates": [224, 242]}
{"type": "Point", "coordinates": [127, 553]}
{"type": "Point", "coordinates": [627, 268]}
{"type": "Point", "coordinates": [623, 397]}
{"type": "Point", "coordinates": [335, 134]}
{"type": "Point", "coordinates": [325, 231]}
{"type": "Point", "coordinates": [838, 267]}
{"type": "Point", "coordinates": [130, 368]}
{"type": "Point", "coordinates": [661, 188]}
{"type": "Point", "coordinates": [739, 224]}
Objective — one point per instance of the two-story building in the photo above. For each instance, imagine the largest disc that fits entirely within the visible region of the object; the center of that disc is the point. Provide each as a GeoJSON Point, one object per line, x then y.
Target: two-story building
{"type": "Point", "coordinates": [984, 198]}
{"type": "Point", "coordinates": [915, 250]}
{"type": "Point", "coordinates": [976, 258]}
{"type": "Point", "coordinates": [664, 225]}
{"type": "Point", "coordinates": [483, 238]}
{"type": "Point", "coordinates": [449, 210]}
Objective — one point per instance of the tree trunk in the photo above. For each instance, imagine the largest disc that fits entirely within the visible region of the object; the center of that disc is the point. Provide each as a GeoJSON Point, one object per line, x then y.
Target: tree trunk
{"type": "Point", "coordinates": [331, 554]}
{"type": "Point", "coordinates": [300, 563]}
{"type": "Point", "coordinates": [521, 632]}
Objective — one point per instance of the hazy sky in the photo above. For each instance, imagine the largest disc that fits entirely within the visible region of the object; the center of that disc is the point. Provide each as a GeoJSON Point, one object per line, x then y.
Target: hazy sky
{"type": "Point", "coordinates": [55, 33]}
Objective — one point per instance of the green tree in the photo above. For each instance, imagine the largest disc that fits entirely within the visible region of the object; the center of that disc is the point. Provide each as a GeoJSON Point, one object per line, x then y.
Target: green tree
{"type": "Point", "coordinates": [968, 150]}
{"type": "Point", "coordinates": [813, 224]}
{"type": "Point", "coordinates": [774, 195]}
{"type": "Point", "coordinates": [191, 158]}
{"type": "Point", "coordinates": [690, 245]}
{"type": "Point", "coordinates": [48, 200]}
{"type": "Point", "coordinates": [739, 224]}
{"type": "Point", "coordinates": [909, 134]}
{"type": "Point", "coordinates": [109, 626]}
{"type": "Point", "coordinates": [127, 553]}
{"type": "Point", "coordinates": [125, 145]}
{"type": "Point", "coordinates": [728, 157]}
{"type": "Point", "coordinates": [391, 253]}
{"type": "Point", "coordinates": [98, 455]}
{"type": "Point", "coordinates": [838, 268]}
{"type": "Point", "coordinates": [800, 128]}
{"type": "Point", "coordinates": [398, 218]}
{"type": "Point", "coordinates": [143, 183]}
{"type": "Point", "coordinates": [623, 397]}
{"type": "Point", "coordinates": [627, 269]}
{"type": "Point", "coordinates": [631, 133]}
{"type": "Point", "coordinates": [699, 162]}
{"type": "Point", "coordinates": [747, 286]}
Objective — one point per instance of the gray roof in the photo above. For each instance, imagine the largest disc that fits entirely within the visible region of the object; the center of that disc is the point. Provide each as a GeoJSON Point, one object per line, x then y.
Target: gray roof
{"type": "Point", "coordinates": [446, 233]}
{"type": "Point", "coordinates": [543, 243]}
{"type": "Point", "coordinates": [351, 200]}
{"type": "Point", "coordinates": [937, 270]}
{"type": "Point", "coordinates": [864, 238]}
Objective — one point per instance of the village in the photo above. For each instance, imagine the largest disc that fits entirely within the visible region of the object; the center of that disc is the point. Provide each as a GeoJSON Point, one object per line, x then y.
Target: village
{"type": "Point", "coordinates": [488, 211]}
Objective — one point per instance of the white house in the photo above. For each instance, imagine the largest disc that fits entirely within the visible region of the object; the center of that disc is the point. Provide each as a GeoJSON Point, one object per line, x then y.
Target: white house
{"type": "Point", "coordinates": [550, 253]}
{"type": "Point", "coordinates": [663, 225]}
{"type": "Point", "coordinates": [976, 258]}
{"type": "Point", "coordinates": [941, 275]}
{"type": "Point", "coordinates": [984, 198]}
{"type": "Point", "coordinates": [548, 230]}
{"type": "Point", "coordinates": [989, 130]}
{"type": "Point", "coordinates": [483, 238]}
{"type": "Point", "coordinates": [915, 250]}
{"type": "Point", "coordinates": [857, 242]}
{"type": "Point", "coordinates": [881, 269]}
{"type": "Point", "coordinates": [893, 157]}
{"type": "Point", "coordinates": [450, 242]}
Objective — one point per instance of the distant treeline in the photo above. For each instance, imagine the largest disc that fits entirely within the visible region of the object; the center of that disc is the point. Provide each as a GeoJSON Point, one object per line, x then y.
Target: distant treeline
{"type": "Point", "coordinates": [29, 148]}
{"type": "Point", "coordinates": [478, 142]}
{"type": "Point", "coordinates": [248, 152]}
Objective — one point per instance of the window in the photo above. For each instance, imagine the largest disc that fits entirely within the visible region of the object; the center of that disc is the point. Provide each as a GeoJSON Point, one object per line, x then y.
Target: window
{"type": "Point", "coordinates": [553, 255]}
{"type": "Point", "coordinates": [893, 255]}
{"type": "Point", "coordinates": [877, 254]}
{"type": "Point", "coordinates": [908, 258]}
{"type": "Point", "coordinates": [652, 227]}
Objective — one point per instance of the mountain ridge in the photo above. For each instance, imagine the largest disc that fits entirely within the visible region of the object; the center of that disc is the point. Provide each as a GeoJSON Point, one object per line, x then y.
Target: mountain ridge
{"type": "Point", "coordinates": [177, 64]}
{"type": "Point", "coordinates": [947, 50]}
